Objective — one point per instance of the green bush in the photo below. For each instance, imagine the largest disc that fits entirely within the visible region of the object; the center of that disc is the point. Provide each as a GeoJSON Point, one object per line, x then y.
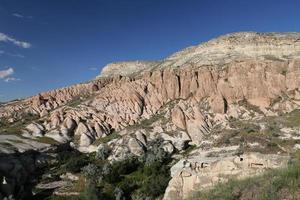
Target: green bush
{"type": "Point", "coordinates": [103, 152]}
{"type": "Point", "coordinates": [140, 178]}
{"type": "Point", "coordinates": [91, 192]}
{"type": "Point", "coordinates": [92, 173]}
{"type": "Point", "coordinates": [75, 163]}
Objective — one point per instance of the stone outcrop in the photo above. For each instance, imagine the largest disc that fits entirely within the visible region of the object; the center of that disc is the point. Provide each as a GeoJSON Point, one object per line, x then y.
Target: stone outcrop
{"type": "Point", "coordinates": [127, 68]}
{"type": "Point", "coordinates": [46, 101]}
{"type": "Point", "coordinates": [238, 46]}
{"type": "Point", "coordinates": [201, 172]}
{"type": "Point", "coordinates": [34, 129]}
{"type": "Point", "coordinates": [10, 144]}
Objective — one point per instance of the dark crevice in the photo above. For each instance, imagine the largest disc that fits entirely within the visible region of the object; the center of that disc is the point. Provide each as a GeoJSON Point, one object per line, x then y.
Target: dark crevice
{"type": "Point", "coordinates": [179, 84]}
{"type": "Point", "coordinates": [225, 105]}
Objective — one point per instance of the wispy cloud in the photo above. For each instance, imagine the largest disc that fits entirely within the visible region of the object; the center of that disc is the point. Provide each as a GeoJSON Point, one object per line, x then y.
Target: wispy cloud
{"type": "Point", "coordinates": [6, 75]}
{"type": "Point", "coordinates": [10, 79]}
{"type": "Point", "coordinates": [6, 72]}
{"type": "Point", "coordinates": [11, 54]}
{"type": "Point", "coordinates": [6, 38]}
{"type": "Point", "coordinates": [18, 15]}
{"type": "Point", "coordinates": [16, 55]}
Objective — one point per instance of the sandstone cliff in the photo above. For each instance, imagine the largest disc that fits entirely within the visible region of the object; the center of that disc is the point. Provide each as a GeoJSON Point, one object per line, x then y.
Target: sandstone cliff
{"type": "Point", "coordinates": [182, 99]}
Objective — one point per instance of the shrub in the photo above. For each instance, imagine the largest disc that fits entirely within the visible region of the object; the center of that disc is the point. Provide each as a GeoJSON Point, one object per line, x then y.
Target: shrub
{"type": "Point", "coordinates": [119, 168]}
{"type": "Point", "coordinates": [106, 169]}
{"type": "Point", "coordinates": [103, 152]}
{"type": "Point", "coordinates": [155, 154]}
{"type": "Point", "coordinates": [74, 164]}
{"type": "Point", "coordinates": [91, 192]}
{"type": "Point", "coordinates": [140, 195]}
{"type": "Point", "coordinates": [92, 173]}
{"type": "Point", "coordinates": [119, 194]}
{"type": "Point", "coordinates": [106, 139]}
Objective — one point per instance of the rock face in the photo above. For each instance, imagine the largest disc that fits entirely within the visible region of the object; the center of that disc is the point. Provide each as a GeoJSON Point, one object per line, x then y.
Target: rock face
{"type": "Point", "coordinates": [13, 144]}
{"type": "Point", "coordinates": [126, 68]}
{"type": "Point", "coordinates": [250, 67]}
{"type": "Point", "coordinates": [179, 99]}
{"type": "Point", "coordinates": [34, 129]}
{"type": "Point", "coordinates": [239, 46]}
{"type": "Point", "coordinates": [201, 172]}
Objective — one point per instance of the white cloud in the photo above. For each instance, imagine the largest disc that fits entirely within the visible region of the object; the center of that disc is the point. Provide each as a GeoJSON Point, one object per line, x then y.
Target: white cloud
{"type": "Point", "coordinates": [16, 55]}
{"type": "Point", "coordinates": [11, 54]}
{"type": "Point", "coordinates": [17, 15]}
{"type": "Point", "coordinates": [6, 73]}
{"type": "Point", "coordinates": [6, 38]}
{"type": "Point", "coordinates": [10, 79]}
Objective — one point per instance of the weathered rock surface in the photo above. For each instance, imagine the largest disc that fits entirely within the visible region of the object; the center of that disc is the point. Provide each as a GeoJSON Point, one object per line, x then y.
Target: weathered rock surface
{"type": "Point", "coordinates": [201, 172]}
{"type": "Point", "coordinates": [127, 68]}
{"type": "Point", "coordinates": [34, 129]}
{"type": "Point", "coordinates": [249, 72]}
{"type": "Point", "coordinates": [179, 99]}
{"type": "Point", "coordinates": [13, 144]}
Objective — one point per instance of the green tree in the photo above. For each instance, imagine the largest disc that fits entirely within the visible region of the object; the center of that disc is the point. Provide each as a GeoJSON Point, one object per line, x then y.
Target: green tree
{"type": "Point", "coordinates": [91, 192]}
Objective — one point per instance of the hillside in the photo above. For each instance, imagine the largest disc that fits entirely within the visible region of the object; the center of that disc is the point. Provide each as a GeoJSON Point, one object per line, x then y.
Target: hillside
{"type": "Point", "coordinates": [227, 108]}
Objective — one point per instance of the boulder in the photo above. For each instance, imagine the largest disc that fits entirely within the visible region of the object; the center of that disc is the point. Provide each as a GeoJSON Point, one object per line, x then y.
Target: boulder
{"type": "Point", "coordinates": [178, 117]}
{"type": "Point", "coordinates": [35, 129]}
{"type": "Point", "coordinates": [136, 147]}
{"type": "Point", "coordinates": [203, 172]}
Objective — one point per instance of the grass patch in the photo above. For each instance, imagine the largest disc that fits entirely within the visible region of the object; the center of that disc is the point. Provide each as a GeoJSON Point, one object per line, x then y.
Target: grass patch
{"type": "Point", "coordinates": [106, 139]}
{"type": "Point", "coordinates": [16, 127]}
{"type": "Point", "coordinates": [271, 57]}
{"type": "Point", "coordinates": [146, 123]}
{"type": "Point", "coordinates": [292, 119]}
{"type": "Point", "coordinates": [75, 102]}
{"type": "Point", "coordinates": [249, 106]}
{"type": "Point", "coordinates": [247, 132]}
{"type": "Point", "coordinates": [56, 197]}
{"type": "Point", "coordinates": [16, 141]}
{"type": "Point", "coordinates": [46, 140]}
{"type": "Point", "coordinates": [189, 150]}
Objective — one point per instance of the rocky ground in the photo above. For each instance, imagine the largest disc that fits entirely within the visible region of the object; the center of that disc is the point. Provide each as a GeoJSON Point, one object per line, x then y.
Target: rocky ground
{"type": "Point", "coordinates": [226, 108]}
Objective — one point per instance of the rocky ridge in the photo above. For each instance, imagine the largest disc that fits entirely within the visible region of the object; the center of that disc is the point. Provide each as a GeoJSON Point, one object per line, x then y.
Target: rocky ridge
{"type": "Point", "coordinates": [182, 99]}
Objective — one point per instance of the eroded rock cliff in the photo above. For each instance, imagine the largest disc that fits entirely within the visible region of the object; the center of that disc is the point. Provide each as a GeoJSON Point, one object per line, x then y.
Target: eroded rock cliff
{"type": "Point", "coordinates": [184, 99]}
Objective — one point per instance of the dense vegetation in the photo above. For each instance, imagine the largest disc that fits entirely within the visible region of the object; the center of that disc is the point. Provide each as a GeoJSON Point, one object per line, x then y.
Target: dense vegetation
{"type": "Point", "coordinates": [135, 178]}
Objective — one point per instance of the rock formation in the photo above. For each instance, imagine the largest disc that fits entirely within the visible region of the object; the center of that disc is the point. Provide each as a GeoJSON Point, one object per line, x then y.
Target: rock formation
{"type": "Point", "coordinates": [201, 172]}
{"type": "Point", "coordinates": [181, 99]}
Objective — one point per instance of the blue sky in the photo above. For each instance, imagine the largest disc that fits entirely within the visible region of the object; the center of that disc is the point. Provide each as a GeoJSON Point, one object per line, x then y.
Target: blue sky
{"type": "Point", "coordinates": [46, 44]}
